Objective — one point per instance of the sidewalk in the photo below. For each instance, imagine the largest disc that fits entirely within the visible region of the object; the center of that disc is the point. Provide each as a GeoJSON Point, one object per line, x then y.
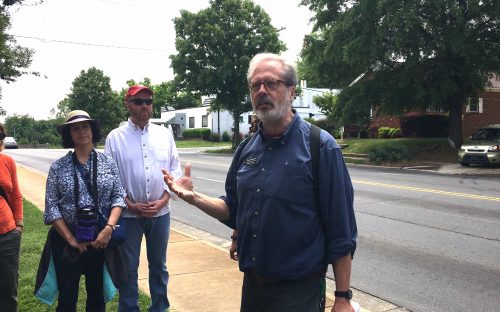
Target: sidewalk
{"type": "Point", "coordinates": [202, 277]}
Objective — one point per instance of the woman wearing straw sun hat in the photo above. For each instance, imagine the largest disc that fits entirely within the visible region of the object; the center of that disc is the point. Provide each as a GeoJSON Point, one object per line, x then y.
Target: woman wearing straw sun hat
{"type": "Point", "coordinates": [79, 184]}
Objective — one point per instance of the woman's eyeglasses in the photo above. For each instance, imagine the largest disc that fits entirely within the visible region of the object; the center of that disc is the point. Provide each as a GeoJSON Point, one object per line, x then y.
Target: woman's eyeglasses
{"type": "Point", "coordinates": [2, 136]}
{"type": "Point", "coordinates": [141, 101]}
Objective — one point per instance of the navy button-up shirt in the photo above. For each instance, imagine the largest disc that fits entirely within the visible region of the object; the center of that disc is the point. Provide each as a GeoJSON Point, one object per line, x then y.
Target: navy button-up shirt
{"type": "Point", "coordinates": [269, 191]}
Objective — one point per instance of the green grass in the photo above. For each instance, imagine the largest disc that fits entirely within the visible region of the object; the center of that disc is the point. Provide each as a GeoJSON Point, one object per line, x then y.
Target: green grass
{"type": "Point", "coordinates": [421, 149]}
{"type": "Point", "coordinates": [199, 143]}
{"type": "Point", "coordinates": [33, 240]}
{"type": "Point", "coordinates": [221, 151]}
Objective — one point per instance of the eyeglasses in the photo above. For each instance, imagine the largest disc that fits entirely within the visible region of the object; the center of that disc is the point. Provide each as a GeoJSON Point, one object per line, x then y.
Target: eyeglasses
{"type": "Point", "coordinates": [141, 101]}
{"type": "Point", "coordinates": [270, 84]}
{"type": "Point", "coordinates": [2, 136]}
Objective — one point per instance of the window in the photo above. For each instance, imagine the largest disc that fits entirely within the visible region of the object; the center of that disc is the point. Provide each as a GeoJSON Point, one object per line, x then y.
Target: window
{"type": "Point", "coordinates": [191, 122]}
{"type": "Point", "coordinates": [474, 105]}
{"type": "Point", "coordinates": [204, 121]}
{"type": "Point", "coordinates": [435, 109]}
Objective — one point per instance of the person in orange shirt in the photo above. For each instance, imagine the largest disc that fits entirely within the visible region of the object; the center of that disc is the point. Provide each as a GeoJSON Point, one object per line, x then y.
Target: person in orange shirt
{"type": "Point", "coordinates": [11, 227]}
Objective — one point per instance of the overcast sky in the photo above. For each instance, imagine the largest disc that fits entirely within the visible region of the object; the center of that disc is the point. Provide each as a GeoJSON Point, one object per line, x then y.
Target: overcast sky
{"type": "Point", "coordinates": [48, 28]}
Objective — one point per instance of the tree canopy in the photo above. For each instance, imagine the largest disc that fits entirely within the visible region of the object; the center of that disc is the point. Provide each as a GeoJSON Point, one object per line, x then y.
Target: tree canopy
{"type": "Point", "coordinates": [171, 94]}
{"type": "Point", "coordinates": [91, 92]}
{"type": "Point", "coordinates": [410, 55]}
{"type": "Point", "coordinates": [306, 72]}
{"type": "Point", "coordinates": [27, 130]}
{"type": "Point", "coordinates": [14, 59]}
{"type": "Point", "coordinates": [214, 49]}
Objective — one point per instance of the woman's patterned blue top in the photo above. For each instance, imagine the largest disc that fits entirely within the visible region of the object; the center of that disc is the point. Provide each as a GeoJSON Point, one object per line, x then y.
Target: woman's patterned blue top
{"type": "Point", "coordinates": [59, 193]}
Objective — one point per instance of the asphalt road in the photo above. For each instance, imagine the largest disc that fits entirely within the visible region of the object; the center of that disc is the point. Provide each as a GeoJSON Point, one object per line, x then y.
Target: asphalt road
{"type": "Point", "coordinates": [427, 241]}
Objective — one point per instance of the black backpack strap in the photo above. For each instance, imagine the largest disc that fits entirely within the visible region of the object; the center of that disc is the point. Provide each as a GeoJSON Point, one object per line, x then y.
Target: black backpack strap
{"type": "Point", "coordinates": [315, 143]}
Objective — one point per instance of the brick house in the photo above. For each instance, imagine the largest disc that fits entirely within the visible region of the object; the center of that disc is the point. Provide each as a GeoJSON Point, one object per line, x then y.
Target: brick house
{"type": "Point", "coordinates": [480, 111]}
{"type": "Point", "coordinates": [484, 110]}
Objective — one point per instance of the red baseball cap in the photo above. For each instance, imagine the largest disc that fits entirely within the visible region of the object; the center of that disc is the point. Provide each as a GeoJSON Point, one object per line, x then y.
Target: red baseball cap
{"type": "Point", "coordinates": [133, 90]}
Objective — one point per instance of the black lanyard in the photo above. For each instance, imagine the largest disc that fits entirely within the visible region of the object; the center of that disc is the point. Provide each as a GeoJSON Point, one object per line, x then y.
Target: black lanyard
{"type": "Point", "coordinates": [91, 187]}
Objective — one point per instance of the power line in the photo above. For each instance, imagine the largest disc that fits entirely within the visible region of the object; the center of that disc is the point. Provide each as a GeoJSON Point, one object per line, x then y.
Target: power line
{"type": "Point", "coordinates": [90, 44]}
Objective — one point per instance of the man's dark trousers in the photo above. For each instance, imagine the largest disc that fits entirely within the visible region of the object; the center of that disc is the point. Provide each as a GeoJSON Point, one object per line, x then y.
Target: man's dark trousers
{"type": "Point", "coordinates": [306, 295]}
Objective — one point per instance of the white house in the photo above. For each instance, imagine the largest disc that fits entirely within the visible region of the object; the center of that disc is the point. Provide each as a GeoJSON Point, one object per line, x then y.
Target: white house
{"type": "Point", "coordinates": [304, 105]}
{"type": "Point", "coordinates": [220, 121]}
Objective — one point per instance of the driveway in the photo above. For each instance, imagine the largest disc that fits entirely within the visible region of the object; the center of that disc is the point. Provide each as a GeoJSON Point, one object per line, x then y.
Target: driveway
{"type": "Point", "coordinates": [456, 168]}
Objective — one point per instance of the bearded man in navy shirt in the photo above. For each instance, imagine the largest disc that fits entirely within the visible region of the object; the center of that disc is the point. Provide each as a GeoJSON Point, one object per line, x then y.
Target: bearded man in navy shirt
{"type": "Point", "coordinates": [286, 237]}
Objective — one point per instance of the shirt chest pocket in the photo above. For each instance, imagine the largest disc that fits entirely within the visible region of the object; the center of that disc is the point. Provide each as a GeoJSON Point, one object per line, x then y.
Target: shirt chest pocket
{"type": "Point", "coordinates": [289, 182]}
{"type": "Point", "coordinates": [161, 155]}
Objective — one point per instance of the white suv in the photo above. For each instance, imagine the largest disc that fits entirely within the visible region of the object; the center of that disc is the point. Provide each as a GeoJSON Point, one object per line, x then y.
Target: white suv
{"type": "Point", "coordinates": [483, 147]}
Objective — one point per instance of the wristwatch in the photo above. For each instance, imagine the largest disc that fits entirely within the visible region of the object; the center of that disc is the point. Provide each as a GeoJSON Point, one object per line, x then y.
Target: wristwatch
{"type": "Point", "coordinates": [344, 294]}
{"type": "Point", "coordinates": [111, 226]}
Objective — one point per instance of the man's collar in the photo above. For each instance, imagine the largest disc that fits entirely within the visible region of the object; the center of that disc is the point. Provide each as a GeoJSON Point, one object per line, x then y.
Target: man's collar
{"type": "Point", "coordinates": [132, 125]}
{"type": "Point", "coordinates": [293, 124]}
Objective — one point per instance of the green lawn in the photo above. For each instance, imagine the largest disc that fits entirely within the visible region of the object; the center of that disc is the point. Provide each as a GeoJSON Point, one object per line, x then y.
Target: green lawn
{"type": "Point", "coordinates": [33, 240]}
{"type": "Point", "coordinates": [421, 149]}
{"type": "Point", "coordinates": [199, 143]}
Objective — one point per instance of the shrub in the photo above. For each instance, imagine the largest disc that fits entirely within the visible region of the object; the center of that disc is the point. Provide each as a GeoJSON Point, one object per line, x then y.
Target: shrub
{"type": "Point", "coordinates": [424, 125]}
{"type": "Point", "coordinates": [326, 125]}
{"type": "Point", "coordinates": [214, 137]}
{"type": "Point", "coordinates": [226, 137]}
{"type": "Point", "coordinates": [336, 134]}
{"type": "Point", "coordinates": [389, 153]}
{"type": "Point", "coordinates": [195, 133]}
{"type": "Point", "coordinates": [388, 132]}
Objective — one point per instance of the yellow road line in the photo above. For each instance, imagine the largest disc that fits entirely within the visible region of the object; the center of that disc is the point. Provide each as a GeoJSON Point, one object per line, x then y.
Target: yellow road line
{"type": "Point", "coordinates": [394, 186]}
{"type": "Point", "coordinates": [425, 190]}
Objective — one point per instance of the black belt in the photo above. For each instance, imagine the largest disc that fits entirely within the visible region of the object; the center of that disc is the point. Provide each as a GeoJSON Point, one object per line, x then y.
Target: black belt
{"type": "Point", "coordinates": [262, 280]}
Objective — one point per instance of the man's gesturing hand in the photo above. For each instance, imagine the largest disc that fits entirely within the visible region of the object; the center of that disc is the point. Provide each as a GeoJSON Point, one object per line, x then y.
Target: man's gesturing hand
{"type": "Point", "coordinates": [183, 186]}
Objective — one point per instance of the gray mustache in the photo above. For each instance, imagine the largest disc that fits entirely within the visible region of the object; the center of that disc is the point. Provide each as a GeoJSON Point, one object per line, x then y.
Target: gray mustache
{"type": "Point", "coordinates": [265, 100]}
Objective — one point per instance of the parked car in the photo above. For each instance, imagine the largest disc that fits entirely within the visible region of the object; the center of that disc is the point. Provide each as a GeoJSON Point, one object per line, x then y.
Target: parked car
{"type": "Point", "coordinates": [9, 142]}
{"type": "Point", "coordinates": [483, 147]}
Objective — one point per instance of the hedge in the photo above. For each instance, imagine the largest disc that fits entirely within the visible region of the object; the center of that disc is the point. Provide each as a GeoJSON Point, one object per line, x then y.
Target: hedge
{"type": "Point", "coordinates": [196, 133]}
{"type": "Point", "coordinates": [424, 125]}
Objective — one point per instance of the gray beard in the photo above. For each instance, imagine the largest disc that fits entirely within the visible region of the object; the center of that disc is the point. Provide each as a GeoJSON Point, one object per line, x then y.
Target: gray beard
{"type": "Point", "coordinates": [271, 116]}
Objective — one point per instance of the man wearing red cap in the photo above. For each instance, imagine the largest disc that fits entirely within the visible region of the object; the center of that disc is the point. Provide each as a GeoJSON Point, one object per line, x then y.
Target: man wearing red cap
{"type": "Point", "coordinates": [141, 149]}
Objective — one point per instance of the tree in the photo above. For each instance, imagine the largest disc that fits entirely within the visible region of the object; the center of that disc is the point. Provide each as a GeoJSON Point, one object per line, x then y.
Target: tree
{"type": "Point", "coordinates": [27, 130]}
{"type": "Point", "coordinates": [214, 48]}
{"type": "Point", "coordinates": [309, 74]}
{"type": "Point", "coordinates": [14, 59]}
{"type": "Point", "coordinates": [325, 102]}
{"type": "Point", "coordinates": [12, 2]}
{"type": "Point", "coordinates": [62, 109]}
{"type": "Point", "coordinates": [412, 54]}
{"type": "Point", "coordinates": [91, 92]}
{"type": "Point", "coordinates": [171, 94]}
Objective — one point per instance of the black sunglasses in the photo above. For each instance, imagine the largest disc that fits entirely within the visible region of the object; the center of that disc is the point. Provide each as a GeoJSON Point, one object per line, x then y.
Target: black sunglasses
{"type": "Point", "coordinates": [2, 136]}
{"type": "Point", "coordinates": [141, 101]}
